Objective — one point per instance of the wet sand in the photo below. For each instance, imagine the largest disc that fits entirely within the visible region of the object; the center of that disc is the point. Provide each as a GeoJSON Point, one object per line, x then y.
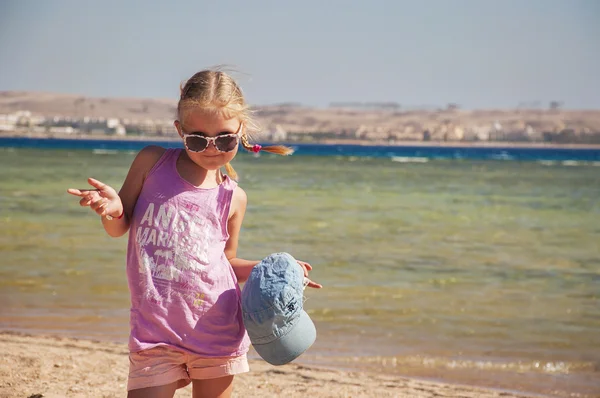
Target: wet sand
{"type": "Point", "coordinates": [53, 367]}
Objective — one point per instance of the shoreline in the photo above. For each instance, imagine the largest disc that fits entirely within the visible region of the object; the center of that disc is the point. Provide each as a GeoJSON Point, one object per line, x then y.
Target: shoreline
{"type": "Point", "coordinates": [54, 366]}
{"type": "Point", "coordinates": [331, 142]}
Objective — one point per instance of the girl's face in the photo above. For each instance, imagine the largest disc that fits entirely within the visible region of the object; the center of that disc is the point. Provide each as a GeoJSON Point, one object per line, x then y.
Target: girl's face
{"type": "Point", "coordinates": [196, 124]}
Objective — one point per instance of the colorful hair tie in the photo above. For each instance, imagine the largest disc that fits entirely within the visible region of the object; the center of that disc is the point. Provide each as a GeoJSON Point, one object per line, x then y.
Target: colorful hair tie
{"type": "Point", "coordinates": [256, 148]}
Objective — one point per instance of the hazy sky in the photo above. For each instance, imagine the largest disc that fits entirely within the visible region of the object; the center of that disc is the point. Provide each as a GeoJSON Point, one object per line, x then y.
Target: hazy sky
{"type": "Point", "coordinates": [477, 53]}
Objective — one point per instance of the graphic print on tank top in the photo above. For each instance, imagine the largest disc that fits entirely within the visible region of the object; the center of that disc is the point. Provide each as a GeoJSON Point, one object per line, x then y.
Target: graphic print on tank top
{"type": "Point", "coordinates": [173, 239]}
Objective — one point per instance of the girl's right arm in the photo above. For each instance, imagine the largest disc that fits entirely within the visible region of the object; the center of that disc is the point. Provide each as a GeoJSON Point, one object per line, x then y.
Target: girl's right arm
{"type": "Point", "coordinates": [105, 201]}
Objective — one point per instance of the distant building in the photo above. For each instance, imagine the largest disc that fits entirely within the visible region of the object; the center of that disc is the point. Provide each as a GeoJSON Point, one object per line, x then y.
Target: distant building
{"type": "Point", "coordinates": [8, 122]}
{"type": "Point", "coordinates": [62, 130]}
{"type": "Point", "coordinates": [279, 134]}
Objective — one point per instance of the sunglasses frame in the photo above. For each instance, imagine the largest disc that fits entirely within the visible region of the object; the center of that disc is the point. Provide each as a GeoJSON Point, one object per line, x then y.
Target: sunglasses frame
{"type": "Point", "coordinates": [211, 139]}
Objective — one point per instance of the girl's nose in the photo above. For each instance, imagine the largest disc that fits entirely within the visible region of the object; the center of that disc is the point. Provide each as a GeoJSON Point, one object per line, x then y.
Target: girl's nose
{"type": "Point", "coordinates": [211, 146]}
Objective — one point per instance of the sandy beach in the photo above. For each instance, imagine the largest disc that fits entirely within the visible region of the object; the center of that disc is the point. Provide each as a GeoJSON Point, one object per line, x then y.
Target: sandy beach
{"type": "Point", "coordinates": [53, 367]}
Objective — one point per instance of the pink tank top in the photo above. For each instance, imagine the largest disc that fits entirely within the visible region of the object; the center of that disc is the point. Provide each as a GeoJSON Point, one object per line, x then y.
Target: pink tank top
{"type": "Point", "coordinates": [184, 292]}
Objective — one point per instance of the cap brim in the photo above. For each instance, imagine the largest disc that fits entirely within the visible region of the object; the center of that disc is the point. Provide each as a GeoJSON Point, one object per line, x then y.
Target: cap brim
{"type": "Point", "coordinates": [290, 346]}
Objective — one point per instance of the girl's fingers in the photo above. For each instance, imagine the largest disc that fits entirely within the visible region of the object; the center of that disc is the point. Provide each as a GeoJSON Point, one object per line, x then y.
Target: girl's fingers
{"type": "Point", "coordinates": [97, 198]}
{"type": "Point", "coordinates": [81, 191]}
{"type": "Point", "coordinates": [89, 199]}
{"type": "Point", "coordinates": [85, 201]}
{"type": "Point", "coordinates": [98, 204]}
{"type": "Point", "coordinates": [75, 192]}
{"type": "Point", "coordinates": [96, 184]}
{"type": "Point", "coordinates": [314, 285]}
{"type": "Point", "coordinates": [305, 267]}
{"type": "Point", "coordinates": [101, 211]}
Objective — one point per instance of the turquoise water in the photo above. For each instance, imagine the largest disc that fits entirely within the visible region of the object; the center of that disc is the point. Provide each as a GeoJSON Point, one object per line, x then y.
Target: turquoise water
{"type": "Point", "coordinates": [484, 272]}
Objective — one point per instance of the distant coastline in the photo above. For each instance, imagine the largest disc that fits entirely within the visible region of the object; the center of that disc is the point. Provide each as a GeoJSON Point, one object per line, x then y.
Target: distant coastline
{"type": "Point", "coordinates": [387, 124]}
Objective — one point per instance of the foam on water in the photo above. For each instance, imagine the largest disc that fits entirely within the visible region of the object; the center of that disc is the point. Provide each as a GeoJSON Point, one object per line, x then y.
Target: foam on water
{"type": "Point", "coordinates": [405, 159]}
{"type": "Point", "coordinates": [100, 151]}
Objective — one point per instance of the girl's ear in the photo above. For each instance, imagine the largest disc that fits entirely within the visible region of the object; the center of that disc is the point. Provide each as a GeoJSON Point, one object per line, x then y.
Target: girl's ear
{"type": "Point", "coordinates": [177, 125]}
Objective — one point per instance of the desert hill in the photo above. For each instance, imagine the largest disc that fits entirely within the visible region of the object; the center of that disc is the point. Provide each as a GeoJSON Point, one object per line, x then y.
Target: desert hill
{"type": "Point", "coordinates": [345, 122]}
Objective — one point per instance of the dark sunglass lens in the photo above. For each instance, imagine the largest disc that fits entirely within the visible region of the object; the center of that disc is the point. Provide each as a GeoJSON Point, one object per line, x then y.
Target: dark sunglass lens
{"type": "Point", "coordinates": [226, 143]}
{"type": "Point", "coordinates": [195, 143]}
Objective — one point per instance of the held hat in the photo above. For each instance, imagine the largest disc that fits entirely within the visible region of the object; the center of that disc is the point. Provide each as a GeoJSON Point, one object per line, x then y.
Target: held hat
{"type": "Point", "coordinates": [272, 308]}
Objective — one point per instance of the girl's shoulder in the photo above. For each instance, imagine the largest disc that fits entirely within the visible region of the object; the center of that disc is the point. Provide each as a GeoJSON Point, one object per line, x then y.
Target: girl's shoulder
{"type": "Point", "coordinates": [146, 158]}
{"type": "Point", "coordinates": [151, 152]}
{"type": "Point", "coordinates": [239, 200]}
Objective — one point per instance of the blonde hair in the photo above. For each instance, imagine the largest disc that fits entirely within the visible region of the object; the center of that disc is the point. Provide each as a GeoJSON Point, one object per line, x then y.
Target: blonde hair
{"type": "Point", "coordinates": [213, 90]}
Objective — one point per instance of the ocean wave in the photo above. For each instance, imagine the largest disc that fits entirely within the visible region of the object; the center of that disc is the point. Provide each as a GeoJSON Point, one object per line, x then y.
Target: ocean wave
{"type": "Point", "coordinates": [101, 151]}
{"type": "Point", "coordinates": [548, 162]}
{"type": "Point", "coordinates": [569, 163]}
{"type": "Point", "coordinates": [502, 156]}
{"type": "Point", "coordinates": [546, 367]}
{"type": "Point", "coordinates": [407, 159]}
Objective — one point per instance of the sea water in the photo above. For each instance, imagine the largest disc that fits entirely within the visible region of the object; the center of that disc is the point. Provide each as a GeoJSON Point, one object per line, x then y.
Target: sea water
{"type": "Point", "coordinates": [470, 270]}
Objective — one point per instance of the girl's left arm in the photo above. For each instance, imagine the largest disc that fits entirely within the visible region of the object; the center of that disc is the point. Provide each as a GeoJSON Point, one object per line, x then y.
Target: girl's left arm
{"type": "Point", "coordinates": [241, 267]}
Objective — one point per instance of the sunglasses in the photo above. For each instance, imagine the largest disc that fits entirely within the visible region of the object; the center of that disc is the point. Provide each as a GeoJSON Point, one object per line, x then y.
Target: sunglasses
{"type": "Point", "coordinates": [195, 142]}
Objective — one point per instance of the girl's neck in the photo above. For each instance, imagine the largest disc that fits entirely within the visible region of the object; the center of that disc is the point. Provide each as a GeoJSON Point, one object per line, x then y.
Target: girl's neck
{"type": "Point", "coordinates": [196, 175]}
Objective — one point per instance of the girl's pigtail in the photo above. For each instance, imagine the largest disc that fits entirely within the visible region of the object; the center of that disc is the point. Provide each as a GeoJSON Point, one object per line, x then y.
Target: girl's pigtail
{"type": "Point", "coordinates": [276, 149]}
{"type": "Point", "coordinates": [230, 171]}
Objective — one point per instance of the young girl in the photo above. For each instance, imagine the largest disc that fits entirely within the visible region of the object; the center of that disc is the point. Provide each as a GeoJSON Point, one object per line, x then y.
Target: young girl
{"type": "Point", "coordinates": [184, 218]}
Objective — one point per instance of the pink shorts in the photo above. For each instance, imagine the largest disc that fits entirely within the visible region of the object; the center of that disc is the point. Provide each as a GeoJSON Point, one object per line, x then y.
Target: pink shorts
{"type": "Point", "coordinates": [162, 365]}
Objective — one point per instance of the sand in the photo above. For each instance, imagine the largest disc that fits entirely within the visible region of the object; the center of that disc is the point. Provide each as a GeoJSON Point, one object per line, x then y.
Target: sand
{"type": "Point", "coordinates": [53, 367]}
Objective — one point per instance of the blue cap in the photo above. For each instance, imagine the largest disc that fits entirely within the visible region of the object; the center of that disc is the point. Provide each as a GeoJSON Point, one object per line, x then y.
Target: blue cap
{"type": "Point", "coordinates": [272, 307]}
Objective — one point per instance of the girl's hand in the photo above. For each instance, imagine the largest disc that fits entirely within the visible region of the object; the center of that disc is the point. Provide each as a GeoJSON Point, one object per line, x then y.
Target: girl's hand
{"type": "Point", "coordinates": [104, 200]}
{"type": "Point", "coordinates": [307, 267]}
